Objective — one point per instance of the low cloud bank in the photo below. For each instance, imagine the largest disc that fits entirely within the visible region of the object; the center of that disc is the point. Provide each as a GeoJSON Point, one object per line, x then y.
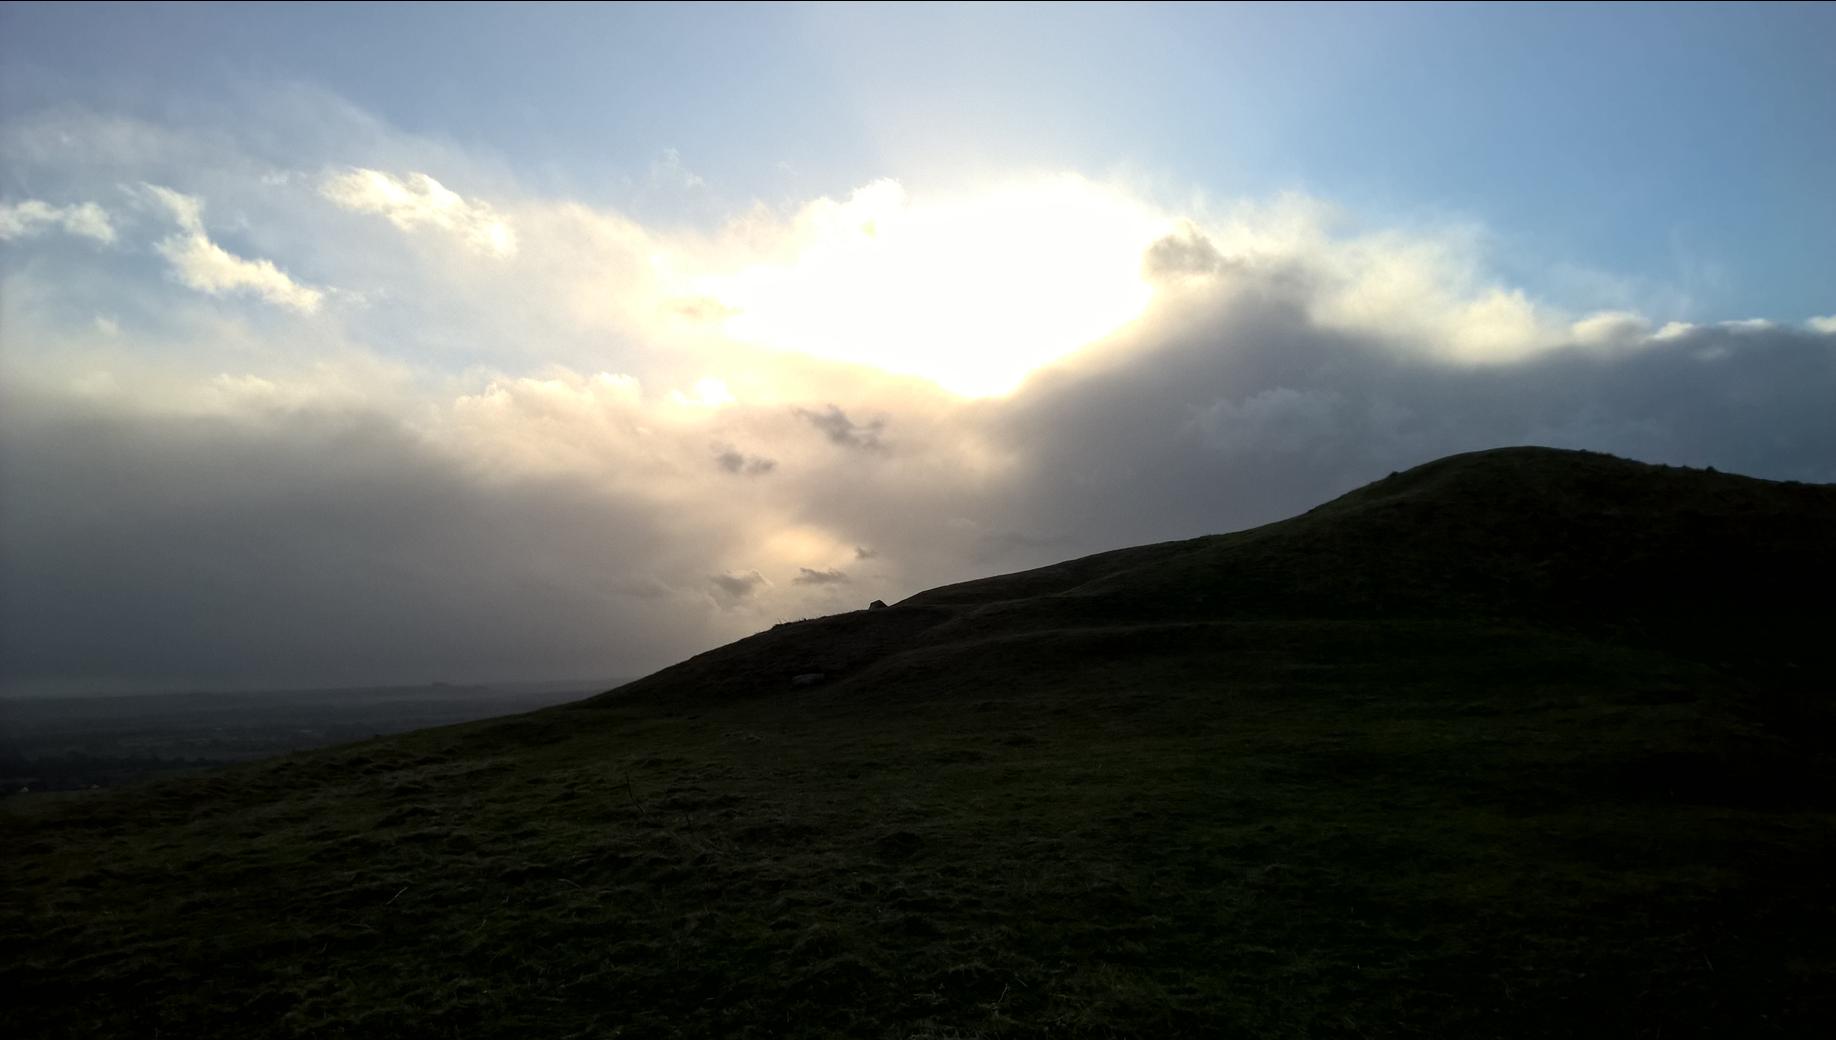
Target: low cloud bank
{"type": "Point", "coordinates": [567, 528]}
{"type": "Point", "coordinates": [540, 442]}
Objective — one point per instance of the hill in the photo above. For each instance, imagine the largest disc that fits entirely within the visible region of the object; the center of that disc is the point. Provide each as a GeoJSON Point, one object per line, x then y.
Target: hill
{"type": "Point", "coordinates": [1516, 743]}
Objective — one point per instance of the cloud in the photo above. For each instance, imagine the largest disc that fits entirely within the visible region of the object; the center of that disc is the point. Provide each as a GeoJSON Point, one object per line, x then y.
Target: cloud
{"type": "Point", "coordinates": [1184, 253]}
{"type": "Point", "coordinates": [209, 268]}
{"type": "Point", "coordinates": [971, 291]}
{"type": "Point", "coordinates": [32, 217]}
{"type": "Point", "coordinates": [811, 576]}
{"type": "Point", "coordinates": [562, 522]}
{"type": "Point", "coordinates": [1276, 421]}
{"type": "Point", "coordinates": [487, 470]}
{"type": "Point", "coordinates": [1750, 325]}
{"type": "Point", "coordinates": [1006, 545]}
{"type": "Point", "coordinates": [668, 171]}
{"type": "Point", "coordinates": [708, 393]}
{"type": "Point", "coordinates": [1240, 409]}
{"type": "Point", "coordinates": [186, 210]}
{"type": "Point", "coordinates": [417, 201]}
{"type": "Point", "coordinates": [1424, 289]}
{"type": "Point", "coordinates": [733, 589]}
{"type": "Point", "coordinates": [1610, 328]}
{"type": "Point", "coordinates": [734, 461]}
{"type": "Point", "coordinates": [839, 429]}
{"type": "Point", "coordinates": [312, 545]}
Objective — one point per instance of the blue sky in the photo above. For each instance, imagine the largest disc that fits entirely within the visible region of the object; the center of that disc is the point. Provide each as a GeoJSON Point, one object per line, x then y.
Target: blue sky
{"type": "Point", "coordinates": [1687, 146]}
{"type": "Point", "coordinates": [370, 344]}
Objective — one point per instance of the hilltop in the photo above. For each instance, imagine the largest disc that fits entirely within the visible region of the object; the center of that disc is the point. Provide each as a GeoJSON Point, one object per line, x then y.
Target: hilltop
{"type": "Point", "coordinates": [1517, 743]}
{"type": "Point", "coordinates": [1565, 540]}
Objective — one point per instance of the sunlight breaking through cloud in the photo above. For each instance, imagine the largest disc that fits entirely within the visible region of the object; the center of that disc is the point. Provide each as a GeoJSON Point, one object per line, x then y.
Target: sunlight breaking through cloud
{"type": "Point", "coordinates": [600, 424]}
{"type": "Point", "coordinates": [972, 292]}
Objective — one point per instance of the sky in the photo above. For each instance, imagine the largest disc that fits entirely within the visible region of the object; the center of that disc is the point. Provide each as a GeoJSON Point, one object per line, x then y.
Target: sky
{"type": "Point", "coordinates": [372, 344]}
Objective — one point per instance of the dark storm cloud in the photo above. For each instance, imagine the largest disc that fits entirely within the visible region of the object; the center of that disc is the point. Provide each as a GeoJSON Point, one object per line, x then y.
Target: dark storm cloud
{"type": "Point", "coordinates": [811, 576]}
{"type": "Point", "coordinates": [1243, 411]}
{"type": "Point", "coordinates": [1001, 545]}
{"type": "Point", "coordinates": [308, 548]}
{"type": "Point", "coordinates": [835, 425]}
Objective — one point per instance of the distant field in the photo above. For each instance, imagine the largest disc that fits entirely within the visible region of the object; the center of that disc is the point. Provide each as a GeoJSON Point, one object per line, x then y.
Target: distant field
{"type": "Point", "coordinates": [74, 743]}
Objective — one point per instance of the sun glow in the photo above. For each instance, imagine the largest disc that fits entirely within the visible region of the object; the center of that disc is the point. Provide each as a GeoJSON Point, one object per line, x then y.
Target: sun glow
{"type": "Point", "coordinates": [972, 292]}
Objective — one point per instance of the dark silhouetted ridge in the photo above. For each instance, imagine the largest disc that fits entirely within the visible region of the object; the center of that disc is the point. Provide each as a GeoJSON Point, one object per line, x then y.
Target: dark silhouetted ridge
{"type": "Point", "coordinates": [1570, 539]}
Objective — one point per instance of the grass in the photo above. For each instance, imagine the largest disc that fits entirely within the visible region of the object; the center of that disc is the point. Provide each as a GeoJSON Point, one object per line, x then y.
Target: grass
{"type": "Point", "coordinates": [1159, 807]}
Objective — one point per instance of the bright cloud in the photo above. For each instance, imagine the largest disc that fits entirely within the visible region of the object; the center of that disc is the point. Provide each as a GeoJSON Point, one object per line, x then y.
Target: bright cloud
{"type": "Point", "coordinates": [636, 441]}
{"type": "Point", "coordinates": [563, 424]}
{"type": "Point", "coordinates": [207, 267]}
{"type": "Point", "coordinates": [708, 392]}
{"type": "Point", "coordinates": [1610, 328]}
{"type": "Point", "coordinates": [32, 217]}
{"type": "Point", "coordinates": [972, 292]}
{"type": "Point", "coordinates": [418, 201]}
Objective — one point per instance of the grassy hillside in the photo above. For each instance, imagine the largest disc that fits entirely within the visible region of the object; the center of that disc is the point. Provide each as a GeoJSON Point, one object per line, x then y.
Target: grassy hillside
{"type": "Point", "coordinates": [1520, 743]}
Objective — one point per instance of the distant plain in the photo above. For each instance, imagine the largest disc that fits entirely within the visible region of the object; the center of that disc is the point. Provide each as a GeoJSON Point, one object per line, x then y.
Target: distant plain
{"type": "Point", "coordinates": [73, 742]}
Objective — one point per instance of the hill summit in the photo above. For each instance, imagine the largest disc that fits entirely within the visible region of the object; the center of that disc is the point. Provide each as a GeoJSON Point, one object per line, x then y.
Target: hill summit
{"type": "Point", "coordinates": [1570, 540]}
{"type": "Point", "coordinates": [1517, 743]}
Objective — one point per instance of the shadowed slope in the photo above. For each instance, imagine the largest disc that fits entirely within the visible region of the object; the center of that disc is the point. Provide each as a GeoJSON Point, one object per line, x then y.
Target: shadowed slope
{"type": "Point", "coordinates": [1521, 743]}
{"type": "Point", "coordinates": [1527, 531]}
{"type": "Point", "coordinates": [1575, 540]}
